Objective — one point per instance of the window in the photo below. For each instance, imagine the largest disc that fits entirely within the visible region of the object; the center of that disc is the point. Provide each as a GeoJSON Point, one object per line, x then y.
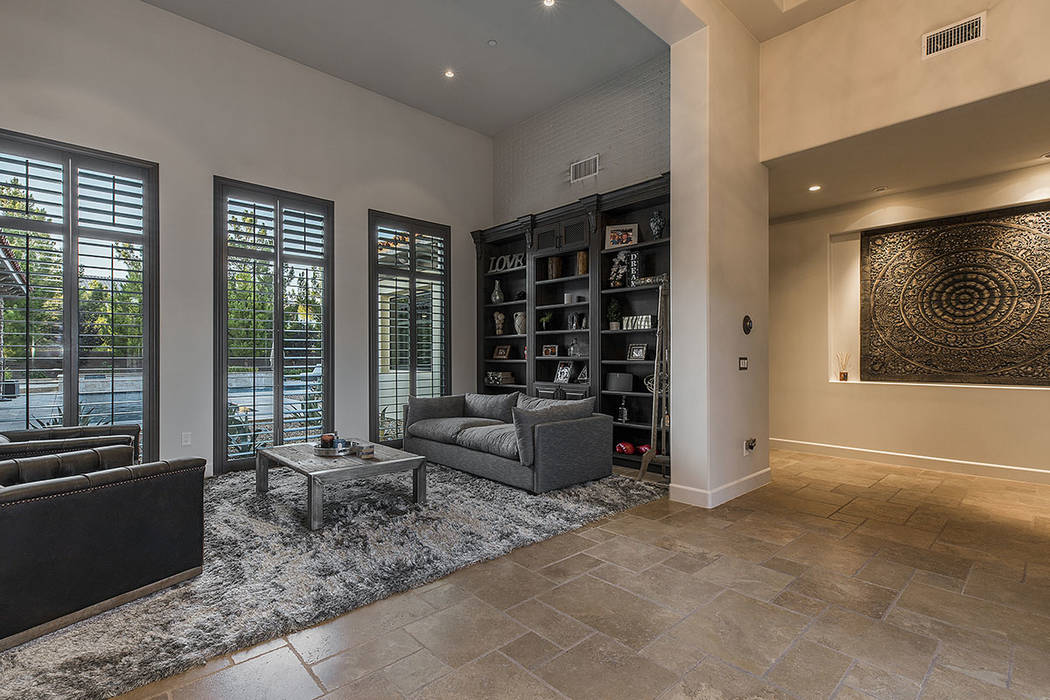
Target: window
{"type": "Point", "coordinates": [410, 321]}
{"type": "Point", "coordinates": [273, 342]}
{"type": "Point", "coordinates": [78, 300]}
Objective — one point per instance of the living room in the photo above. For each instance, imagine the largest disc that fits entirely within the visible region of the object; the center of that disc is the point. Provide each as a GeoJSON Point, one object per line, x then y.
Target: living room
{"type": "Point", "coordinates": [350, 464]}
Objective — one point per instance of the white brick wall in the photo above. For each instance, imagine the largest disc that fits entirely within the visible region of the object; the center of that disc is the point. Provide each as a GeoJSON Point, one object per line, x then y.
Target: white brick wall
{"type": "Point", "coordinates": [625, 120]}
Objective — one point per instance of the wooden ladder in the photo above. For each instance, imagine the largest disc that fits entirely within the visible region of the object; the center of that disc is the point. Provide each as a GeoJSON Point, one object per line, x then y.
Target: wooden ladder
{"type": "Point", "coordinates": [661, 393]}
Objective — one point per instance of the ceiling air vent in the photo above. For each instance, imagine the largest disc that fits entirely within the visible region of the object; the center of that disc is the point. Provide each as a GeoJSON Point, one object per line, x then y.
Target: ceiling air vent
{"type": "Point", "coordinates": [953, 36]}
{"type": "Point", "coordinates": [583, 169]}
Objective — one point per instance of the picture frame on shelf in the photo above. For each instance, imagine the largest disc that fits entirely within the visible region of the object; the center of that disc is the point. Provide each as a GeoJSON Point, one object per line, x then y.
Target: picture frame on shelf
{"type": "Point", "coordinates": [563, 374]}
{"type": "Point", "coordinates": [637, 351]}
{"type": "Point", "coordinates": [501, 352]}
{"type": "Point", "coordinates": [620, 235]}
{"type": "Point", "coordinates": [550, 350]}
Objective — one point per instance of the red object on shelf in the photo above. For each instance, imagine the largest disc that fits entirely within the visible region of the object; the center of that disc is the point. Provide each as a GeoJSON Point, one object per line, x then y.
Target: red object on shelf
{"type": "Point", "coordinates": [625, 448]}
{"type": "Point", "coordinates": [642, 449]}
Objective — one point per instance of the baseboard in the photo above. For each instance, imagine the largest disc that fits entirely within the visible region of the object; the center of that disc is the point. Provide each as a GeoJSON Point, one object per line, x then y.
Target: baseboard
{"type": "Point", "coordinates": [715, 497]}
{"type": "Point", "coordinates": [92, 610]}
{"type": "Point", "coordinates": [941, 464]}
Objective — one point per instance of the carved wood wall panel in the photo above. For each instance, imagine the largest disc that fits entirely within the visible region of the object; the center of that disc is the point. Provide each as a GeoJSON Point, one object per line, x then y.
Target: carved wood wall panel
{"type": "Point", "coordinates": [962, 300]}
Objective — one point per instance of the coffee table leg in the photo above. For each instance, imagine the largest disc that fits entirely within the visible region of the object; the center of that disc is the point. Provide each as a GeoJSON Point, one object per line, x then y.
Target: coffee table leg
{"type": "Point", "coordinates": [262, 474]}
{"type": "Point", "coordinates": [419, 483]}
{"type": "Point", "coordinates": [314, 504]}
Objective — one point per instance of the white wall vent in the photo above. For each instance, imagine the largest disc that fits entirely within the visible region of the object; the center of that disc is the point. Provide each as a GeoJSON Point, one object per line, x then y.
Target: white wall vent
{"type": "Point", "coordinates": [583, 169]}
{"type": "Point", "coordinates": [953, 36]}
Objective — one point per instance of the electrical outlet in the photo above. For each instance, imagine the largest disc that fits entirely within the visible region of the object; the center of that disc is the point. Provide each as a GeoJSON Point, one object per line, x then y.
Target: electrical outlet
{"type": "Point", "coordinates": [749, 446]}
{"type": "Point", "coordinates": [741, 364]}
{"type": "Point", "coordinates": [187, 439]}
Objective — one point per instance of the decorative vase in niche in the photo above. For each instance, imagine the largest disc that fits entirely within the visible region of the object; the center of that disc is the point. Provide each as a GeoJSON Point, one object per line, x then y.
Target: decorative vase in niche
{"type": "Point", "coordinates": [498, 318]}
{"type": "Point", "coordinates": [843, 376]}
{"type": "Point", "coordinates": [656, 225]}
{"type": "Point", "coordinates": [519, 322]}
{"type": "Point", "coordinates": [614, 325]}
{"type": "Point", "coordinates": [497, 294]}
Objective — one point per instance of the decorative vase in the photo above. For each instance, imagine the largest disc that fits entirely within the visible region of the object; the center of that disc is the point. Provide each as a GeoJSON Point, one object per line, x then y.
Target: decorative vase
{"type": "Point", "coordinates": [843, 376]}
{"type": "Point", "coordinates": [497, 294]}
{"type": "Point", "coordinates": [519, 322]}
{"type": "Point", "coordinates": [614, 325]}
{"type": "Point", "coordinates": [498, 318]}
{"type": "Point", "coordinates": [553, 267]}
{"type": "Point", "coordinates": [656, 225]}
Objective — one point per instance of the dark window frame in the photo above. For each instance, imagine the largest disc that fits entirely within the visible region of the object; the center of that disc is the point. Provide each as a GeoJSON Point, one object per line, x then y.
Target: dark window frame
{"type": "Point", "coordinates": [74, 156]}
{"type": "Point", "coordinates": [415, 226]}
{"type": "Point", "coordinates": [221, 186]}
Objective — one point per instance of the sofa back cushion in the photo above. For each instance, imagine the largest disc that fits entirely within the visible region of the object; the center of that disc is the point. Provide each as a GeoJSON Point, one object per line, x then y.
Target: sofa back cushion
{"type": "Point", "coordinates": [424, 408]}
{"type": "Point", "coordinates": [494, 406]}
{"type": "Point", "coordinates": [56, 466]}
{"type": "Point", "coordinates": [532, 403]}
{"type": "Point", "coordinates": [525, 422]}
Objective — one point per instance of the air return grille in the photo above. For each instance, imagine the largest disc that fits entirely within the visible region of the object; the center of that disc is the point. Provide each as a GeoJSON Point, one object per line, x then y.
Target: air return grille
{"type": "Point", "coordinates": [583, 169]}
{"type": "Point", "coordinates": [953, 36]}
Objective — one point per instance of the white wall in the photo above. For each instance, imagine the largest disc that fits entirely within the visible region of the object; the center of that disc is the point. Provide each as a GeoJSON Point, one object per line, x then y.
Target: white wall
{"type": "Point", "coordinates": [625, 120]}
{"type": "Point", "coordinates": [999, 431]}
{"type": "Point", "coordinates": [125, 77]}
{"type": "Point", "coordinates": [860, 67]}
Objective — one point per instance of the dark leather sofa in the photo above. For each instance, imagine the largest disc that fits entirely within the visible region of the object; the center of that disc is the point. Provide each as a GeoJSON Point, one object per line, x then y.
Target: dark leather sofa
{"type": "Point", "coordinates": [42, 441]}
{"type": "Point", "coordinates": [85, 531]}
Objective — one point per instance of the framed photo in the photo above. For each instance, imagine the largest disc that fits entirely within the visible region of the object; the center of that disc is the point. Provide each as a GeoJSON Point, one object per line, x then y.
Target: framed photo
{"type": "Point", "coordinates": [619, 235]}
{"type": "Point", "coordinates": [501, 352]}
{"type": "Point", "coordinates": [563, 375]}
{"type": "Point", "coordinates": [550, 350]}
{"type": "Point", "coordinates": [636, 351]}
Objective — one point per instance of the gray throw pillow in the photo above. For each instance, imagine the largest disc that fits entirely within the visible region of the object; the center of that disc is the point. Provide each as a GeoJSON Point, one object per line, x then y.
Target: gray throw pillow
{"type": "Point", "coordinates": [526, 421]}
{"type": "Point", "coordinates": [422, 408]}
{"type": "Point", "coordinates": [533, 403]}
{"type": "Point", "coordinates": [495, 406]}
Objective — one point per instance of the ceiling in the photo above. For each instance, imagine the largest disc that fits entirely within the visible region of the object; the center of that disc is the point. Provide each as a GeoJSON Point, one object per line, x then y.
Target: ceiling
{"type": "Point", "coordinates": [401, 48]}
{"type": "Point", "coordinates": [1001, 133]}
{"type": "Point", "coordinates": [769, 18]}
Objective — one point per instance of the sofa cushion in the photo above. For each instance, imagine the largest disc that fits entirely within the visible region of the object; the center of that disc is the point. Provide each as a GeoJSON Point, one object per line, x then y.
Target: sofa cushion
{"type": "Point", "coordinates": [446, 429]}
{"type": "Point", "coordinates": [500, 440]}
{"type": "Point", "coordinates": [422, 408]}
{"type": "Point", "coordinates": [495, 406]}
{"type": "Point", "coordinates": [525, 422]}
{"type": "Point", "coordinates": [532, 403]}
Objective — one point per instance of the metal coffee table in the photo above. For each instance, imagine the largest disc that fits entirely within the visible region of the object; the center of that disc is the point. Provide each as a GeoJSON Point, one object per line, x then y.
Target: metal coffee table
{"type": "Point", "coordinates": [326, 470]}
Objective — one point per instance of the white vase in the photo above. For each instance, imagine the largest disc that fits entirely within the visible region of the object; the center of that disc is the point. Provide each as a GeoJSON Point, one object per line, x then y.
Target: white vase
{"type": "Point", "coordinates": [519, 322]}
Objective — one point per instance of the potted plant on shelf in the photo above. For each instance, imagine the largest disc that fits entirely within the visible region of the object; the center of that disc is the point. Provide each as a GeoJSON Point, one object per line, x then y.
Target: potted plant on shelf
{"type": "Point", "coordinates": [613, 314]}
{"type": "Point", "coordinates": [545, 320]}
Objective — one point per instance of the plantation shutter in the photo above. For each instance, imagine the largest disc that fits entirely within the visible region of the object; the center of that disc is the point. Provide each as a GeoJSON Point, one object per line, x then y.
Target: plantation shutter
{"type": "Point", "coordinates": [275, 345]}
{"type": "Point", "coordinates": [410, 329]}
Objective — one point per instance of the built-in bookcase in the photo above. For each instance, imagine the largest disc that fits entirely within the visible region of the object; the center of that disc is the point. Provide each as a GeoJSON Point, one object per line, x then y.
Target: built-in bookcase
{"type": "Point", "coordinates": [565, 280]}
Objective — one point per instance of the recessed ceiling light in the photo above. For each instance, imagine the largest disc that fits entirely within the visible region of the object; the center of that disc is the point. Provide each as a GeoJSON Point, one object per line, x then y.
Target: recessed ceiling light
{"type": "Point", "coordinates": [879, 188]}
{"type": "Point", "coordinates": [492, 42]}
{"type": "Point", "coordinates": [548, 3]}
{"type": "Point", "coordinates": [449, 73]}
{"type": "Point", "coordinates": [814, 188]}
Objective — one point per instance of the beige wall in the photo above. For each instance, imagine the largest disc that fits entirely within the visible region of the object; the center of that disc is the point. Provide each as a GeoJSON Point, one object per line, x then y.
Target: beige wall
{"type": "Point", "coordinates": [125, 77]}
{"type": "Point", "coordinates": [961, 428]}
{"type": "Point", "coordinates": [860, 67]}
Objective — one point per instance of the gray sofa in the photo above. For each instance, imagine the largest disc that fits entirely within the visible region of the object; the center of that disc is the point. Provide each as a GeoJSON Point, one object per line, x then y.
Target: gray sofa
{"type": "Point", "coordinates": [530, 443]}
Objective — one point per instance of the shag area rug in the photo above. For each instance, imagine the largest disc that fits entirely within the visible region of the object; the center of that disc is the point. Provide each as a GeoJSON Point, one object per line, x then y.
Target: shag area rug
{"type": "Point", "coordinates": [266, 575]}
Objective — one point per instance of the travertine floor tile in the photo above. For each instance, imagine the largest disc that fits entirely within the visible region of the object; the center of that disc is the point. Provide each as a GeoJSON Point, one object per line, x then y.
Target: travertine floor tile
{"type": "Point", "coordinates": [629, 553]}
{"type": "Point", "coordinates": [492, 676]}
{"type": "Point", "coordinates": [364, 659]}
{"type": "Point", "coordinates": [1032, 597]}
{"type": "Point", "coordinates": [767, 528]}
{"type": "Point", "coordinates": [801, 604]}
{"type": "Point", "coordinates": [744, 577]}
{"type": "Point", "coordinates": [276, 675]}
{"type": "Point", "coordinates": [374, 687]}
{"type": "Point", "coordinates": [611, 610]}
{"type": "Point", "coordinates": [562, 571]}
{"type": "Point", "coordinates": [714, 680]}
{"type": "Point", "coordinates": [549, 623]}
{"type": "Point", "coordinates": [985, 656]}
{"type": "Point", "coordinates": [675, 589]}
{"type": "Point", "coordinates": [464, 631]}
{"type": "Point", "coordinates": [743, 631]}
{"type": "Point", "coordinates": [810, 671]}
{"type": "Point", "coordinates": [603, 669]}
{"type": "Point", "coordinates": [541, 554]}
{"type": "Point", "coordinates": [826, 552]}
{"type": "Point", "coordinates": [530, 650]}
{"type": "Point", "coordinates": [886, 573]}
{"type": "Point", "coordinates": [885, 646]}
{"type": "Point", "coordinates": [860, 596]}
{"type": "Point", "coordinates": [502, 582]}
{"type": "Point", "coordinates": [897, 533]}
{"type": "Point", "coordinates": [877, 683]}
{"type": "Point", "coordinates": [415, 671]}
{"type": "Point", "coordinates": [951, 685]}
{"type": "Point", "coordinates": [1031, 672]}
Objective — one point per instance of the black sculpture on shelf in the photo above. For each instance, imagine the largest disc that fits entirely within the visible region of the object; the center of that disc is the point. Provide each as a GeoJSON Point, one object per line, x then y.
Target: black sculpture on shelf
{"type": "Point", "coordinates": [958, 300]}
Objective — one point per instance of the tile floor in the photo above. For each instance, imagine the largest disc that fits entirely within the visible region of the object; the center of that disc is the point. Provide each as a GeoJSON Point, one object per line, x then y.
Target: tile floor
{"type": "Point", "coordinates": [841, 579]}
